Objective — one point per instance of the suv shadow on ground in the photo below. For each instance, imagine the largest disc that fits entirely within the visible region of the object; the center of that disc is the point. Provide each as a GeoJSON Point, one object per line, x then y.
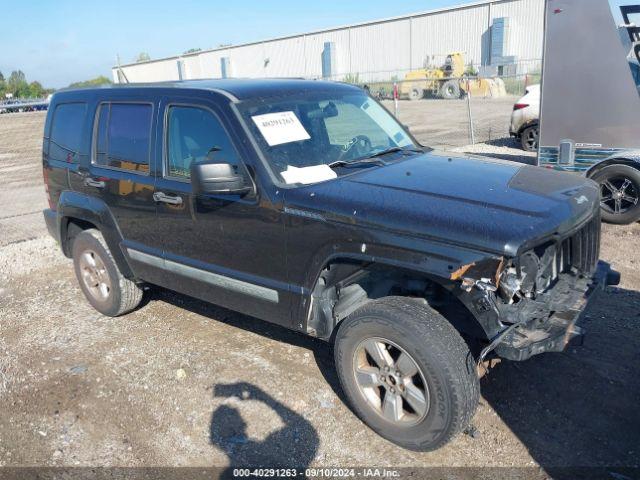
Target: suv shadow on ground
{"type": "Point", "coordinates": [554, 403]}
{"type": "Point", "coordinates": [292, 446]}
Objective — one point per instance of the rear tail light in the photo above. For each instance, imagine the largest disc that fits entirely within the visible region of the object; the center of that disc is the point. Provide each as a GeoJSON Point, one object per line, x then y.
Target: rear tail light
{"type": "Point", "coordinates": [520, 106]}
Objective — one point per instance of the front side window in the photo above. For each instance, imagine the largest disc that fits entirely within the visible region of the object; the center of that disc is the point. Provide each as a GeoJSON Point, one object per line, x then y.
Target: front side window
{"type": "Point", "coordinates": [315, 137]}
{"type": "Point", "coordinates": [66, 132]}
{"type": "Point", "coordinates": [195, 135]}
{"type": "Point", "coordinates": [123, 136]}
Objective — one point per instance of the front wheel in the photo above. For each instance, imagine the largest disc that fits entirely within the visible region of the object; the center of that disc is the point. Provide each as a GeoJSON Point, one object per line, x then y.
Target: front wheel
{"type": "Point", "coordinates": [619, 194]}
{"type": "Point", "coordinates": [416, 94]}
{"type": "Point", "coordinates": [407, 373]}
{"type": "Point", "coordinates": [450, 90]}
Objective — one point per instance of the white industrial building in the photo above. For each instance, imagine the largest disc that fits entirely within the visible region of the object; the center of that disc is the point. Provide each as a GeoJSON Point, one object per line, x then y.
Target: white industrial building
{"type": "Point", "coordinates": [499, 36]}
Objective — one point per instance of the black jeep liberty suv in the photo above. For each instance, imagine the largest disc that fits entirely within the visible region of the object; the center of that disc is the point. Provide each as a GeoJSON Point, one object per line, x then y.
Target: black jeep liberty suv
{"type": "Point", "coordinates": [306, 204]}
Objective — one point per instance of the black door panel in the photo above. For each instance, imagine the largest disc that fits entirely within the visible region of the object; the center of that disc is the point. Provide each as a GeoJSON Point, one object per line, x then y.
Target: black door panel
{"type": "Point", "coordinates": [227, 249]}
{"type": "Point", "coordinates": [119, 171]}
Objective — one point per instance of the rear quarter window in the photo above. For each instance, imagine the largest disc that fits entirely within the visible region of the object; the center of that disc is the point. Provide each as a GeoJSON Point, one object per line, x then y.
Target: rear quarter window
{"type": "Point", "coordinates": [66, 132]}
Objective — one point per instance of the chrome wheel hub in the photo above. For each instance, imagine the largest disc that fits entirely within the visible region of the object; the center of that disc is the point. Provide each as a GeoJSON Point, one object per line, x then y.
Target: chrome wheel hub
{"type": "Point", "coordinates": [391, 381]}
{"type": "Point", "coordinates": [94, 275]}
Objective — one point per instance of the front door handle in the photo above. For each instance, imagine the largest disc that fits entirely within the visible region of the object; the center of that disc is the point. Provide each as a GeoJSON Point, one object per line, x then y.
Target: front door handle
{"type": "Point", "coordinates": [164, 198]}
{"type": "Point", "coordinates": [91, 182]}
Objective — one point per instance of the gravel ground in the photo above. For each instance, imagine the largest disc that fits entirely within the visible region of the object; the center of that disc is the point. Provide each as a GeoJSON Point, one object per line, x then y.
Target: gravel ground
{"type": "Point", "coordinates": [180, 382]}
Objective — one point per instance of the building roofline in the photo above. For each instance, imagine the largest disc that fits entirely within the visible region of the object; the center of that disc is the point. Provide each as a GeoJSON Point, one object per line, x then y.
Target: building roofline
{"type": "Point", "coordinates": [426, 13]}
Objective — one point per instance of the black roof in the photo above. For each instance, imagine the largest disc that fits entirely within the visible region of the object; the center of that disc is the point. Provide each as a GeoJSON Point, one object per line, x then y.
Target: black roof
{"type": "Point", "coordinates": [241, 89]}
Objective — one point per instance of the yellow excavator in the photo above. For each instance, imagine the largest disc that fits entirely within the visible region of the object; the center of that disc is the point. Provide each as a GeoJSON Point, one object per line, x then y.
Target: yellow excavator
{"type": "Point", "coordinates": [447, 82]}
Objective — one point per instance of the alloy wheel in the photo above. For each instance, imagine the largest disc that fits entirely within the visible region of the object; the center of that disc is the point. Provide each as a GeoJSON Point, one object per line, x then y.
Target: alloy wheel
{"type": "Point", "coordinates": [94, 275]}
{"type": "Point", "coordinates": [531, 139]}
{"type": "Point", "coordinates": [391, 381]}
{"type": "Point", "coordinates": [618, 195]}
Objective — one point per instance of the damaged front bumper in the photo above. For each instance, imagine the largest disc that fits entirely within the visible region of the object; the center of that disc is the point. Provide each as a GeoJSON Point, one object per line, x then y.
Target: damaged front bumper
{"type": "Point", "coordinates": [550, 322]}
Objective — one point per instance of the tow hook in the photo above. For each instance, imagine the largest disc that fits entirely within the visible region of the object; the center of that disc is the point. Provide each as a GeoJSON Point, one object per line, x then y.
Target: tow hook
{"type": "Point", "coordinates": [483, 285]}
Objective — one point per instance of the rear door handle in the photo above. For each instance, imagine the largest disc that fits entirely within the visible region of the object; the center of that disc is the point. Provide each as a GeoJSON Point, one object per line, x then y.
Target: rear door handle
{"type": "Point", "coordinates": [164, 198]}
{"type": "Point", "coordinates": [90, 182]}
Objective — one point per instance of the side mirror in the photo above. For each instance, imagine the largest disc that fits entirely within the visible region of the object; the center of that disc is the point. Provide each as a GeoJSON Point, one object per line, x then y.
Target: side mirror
{"type": "Point", "coordinates": [217, 178]}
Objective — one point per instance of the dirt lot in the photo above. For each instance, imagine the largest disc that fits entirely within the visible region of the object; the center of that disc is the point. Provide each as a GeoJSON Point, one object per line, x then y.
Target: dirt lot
{"type": "Point", "coordinates": [163, 386]}
{"type": "Point", "coordinates": [445, 123]}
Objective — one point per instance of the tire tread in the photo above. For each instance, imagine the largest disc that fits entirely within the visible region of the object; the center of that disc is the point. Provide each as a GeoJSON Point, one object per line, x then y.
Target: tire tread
{"type": "Point", "coordinates": [130, 293]}
{"type": "Point", "coordinates": [452, 354]}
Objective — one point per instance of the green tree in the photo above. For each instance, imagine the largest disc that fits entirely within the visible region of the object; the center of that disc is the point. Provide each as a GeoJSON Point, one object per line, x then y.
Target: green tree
{"type": "Point", "coordinates": [36, 90]}
{"type": "Point", "coordinates": [192, 50]}
{"type": "Point", "coordinates": [17, 84]}
{"type": "Point", "coordinates": [17, 77]}
{"type": "Point", "coordinates": [142, 57]}
{"type": "Point", "coordinates": [94, 82]}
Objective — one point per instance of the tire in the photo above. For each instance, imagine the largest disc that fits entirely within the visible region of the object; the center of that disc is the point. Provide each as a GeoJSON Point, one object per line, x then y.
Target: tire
{"type": "Point", "coordinates": [620, 194]}
{"type": "Point", "coordinates": [450, 90]}
{"type": "Point", "coordinates": [529, 138]}
{"type": "Point", "coordinates": [100, 280]}
{"type": "Point", "coordinates": [416, 94]}
{"type": "Point", "coordinates": [446, 372]}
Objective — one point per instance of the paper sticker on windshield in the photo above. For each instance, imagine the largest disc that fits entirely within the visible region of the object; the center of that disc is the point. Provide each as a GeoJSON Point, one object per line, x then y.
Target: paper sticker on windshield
{"type": "Point", "coordinates": [281, 127]}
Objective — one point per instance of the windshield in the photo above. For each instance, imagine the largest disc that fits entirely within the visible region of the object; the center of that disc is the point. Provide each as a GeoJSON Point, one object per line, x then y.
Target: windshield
{"type": "Point", "coordinates": [316, 137]}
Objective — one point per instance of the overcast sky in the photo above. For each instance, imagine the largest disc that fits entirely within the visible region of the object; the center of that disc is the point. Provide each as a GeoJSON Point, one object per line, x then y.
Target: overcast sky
{"type": "Point", "coordinates": [59, 42]}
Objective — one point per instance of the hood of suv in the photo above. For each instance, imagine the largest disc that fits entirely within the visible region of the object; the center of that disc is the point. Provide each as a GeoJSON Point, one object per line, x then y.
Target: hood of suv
{"type": "Point", "coordinates": [492, 205]}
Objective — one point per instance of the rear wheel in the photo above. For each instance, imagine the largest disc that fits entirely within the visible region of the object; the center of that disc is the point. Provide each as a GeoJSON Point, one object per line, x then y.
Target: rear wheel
{"type": "Point", "coordinates": [107, 290]}
{"type": "Point", "coordinates": [529, 138]}
{"type": "Point", "coordinates": [407, 372]}
{"type": "Point", "coordinates": [620, 194]}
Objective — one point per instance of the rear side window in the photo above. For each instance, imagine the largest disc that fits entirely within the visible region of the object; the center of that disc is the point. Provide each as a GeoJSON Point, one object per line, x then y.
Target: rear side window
{"type": "Point", "coordinates": [123, 133]}
{"type": "Point", "coordinates": [66, 132]}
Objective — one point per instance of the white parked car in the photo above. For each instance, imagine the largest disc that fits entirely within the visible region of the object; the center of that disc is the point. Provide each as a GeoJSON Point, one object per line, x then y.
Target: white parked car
{"type": "Point", "coordinates": [525, 123]}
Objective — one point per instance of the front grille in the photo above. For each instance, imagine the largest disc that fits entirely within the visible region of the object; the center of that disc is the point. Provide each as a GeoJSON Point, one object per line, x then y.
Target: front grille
{"type": "Point", "coordinates": [582, 250]}
{"type": "Point", "coordinates": [539, 268]}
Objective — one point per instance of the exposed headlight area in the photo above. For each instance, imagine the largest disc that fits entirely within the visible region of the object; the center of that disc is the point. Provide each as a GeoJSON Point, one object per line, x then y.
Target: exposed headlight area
{"type": "Point", "coordinates": [535, 299]}
{"type": "Point", "coordinates": [538, 269]}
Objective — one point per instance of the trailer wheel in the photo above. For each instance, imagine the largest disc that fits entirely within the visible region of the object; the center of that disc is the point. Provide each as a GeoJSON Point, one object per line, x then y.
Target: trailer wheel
{"type": "Point", "coordinates": [450, 90]}
{"type": "Point", "coordinates": [620, 194]}
{"type": "Point", "coordinates": [416, 94]}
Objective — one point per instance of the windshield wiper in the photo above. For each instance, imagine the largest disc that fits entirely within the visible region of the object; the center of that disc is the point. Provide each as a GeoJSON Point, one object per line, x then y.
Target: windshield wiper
{"type": "Point", "coordinates": [394, 150]}
{"type": "Point", "coordinates": [373, 159]}
{"type": "Point", "coordinates": [361, 161]}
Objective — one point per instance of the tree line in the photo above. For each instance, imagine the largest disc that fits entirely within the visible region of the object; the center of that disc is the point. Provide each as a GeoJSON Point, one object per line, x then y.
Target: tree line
{"type": "Point", "coordinates": [18, 87]}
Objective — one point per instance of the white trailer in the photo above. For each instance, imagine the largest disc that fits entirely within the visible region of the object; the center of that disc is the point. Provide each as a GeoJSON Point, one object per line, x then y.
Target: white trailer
{"type": "Point", "coordinates": [591, 98]}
